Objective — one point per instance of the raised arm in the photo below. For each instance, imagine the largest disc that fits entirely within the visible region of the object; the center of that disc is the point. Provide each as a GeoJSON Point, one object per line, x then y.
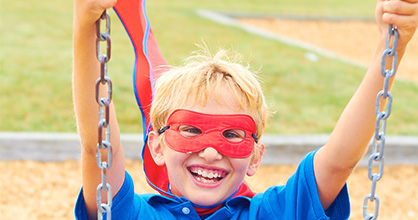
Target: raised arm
{"type": "Point", "coordinates": [85, 73]}
{"type": "Point", "coordinates": [349, 140]}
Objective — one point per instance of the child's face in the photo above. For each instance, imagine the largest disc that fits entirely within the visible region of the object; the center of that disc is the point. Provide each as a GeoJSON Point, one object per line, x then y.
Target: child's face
{"type": "Point", "coordinates": [187, 171]}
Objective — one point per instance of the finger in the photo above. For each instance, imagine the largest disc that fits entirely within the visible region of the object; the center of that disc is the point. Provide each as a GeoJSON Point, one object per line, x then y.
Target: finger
{"type": "Point", "coordinates": [411, 1]}
{"type": "Point", "coordinates": [400, 20]}
{"type": "Point", "coordinates": [399, 7]}
{"type": "Point", "coordinates": [107, 4]}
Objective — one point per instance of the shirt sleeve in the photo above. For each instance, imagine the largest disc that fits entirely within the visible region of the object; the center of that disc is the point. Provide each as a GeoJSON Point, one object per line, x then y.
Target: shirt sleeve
{"type": "Point", "coordinates": [123, 205]}
{"type": "Point", "coordinates": [299, 198]}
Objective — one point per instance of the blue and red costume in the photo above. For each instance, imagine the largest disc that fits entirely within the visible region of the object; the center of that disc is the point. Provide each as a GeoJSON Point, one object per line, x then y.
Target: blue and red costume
{"type": "Point", "coordinates": [298, 199]}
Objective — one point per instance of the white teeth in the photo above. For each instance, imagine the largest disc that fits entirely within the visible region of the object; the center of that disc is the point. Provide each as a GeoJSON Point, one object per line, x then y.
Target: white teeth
{"type": "Point", "coordinates": [203, 180]}
{"type": "Point", "coordinates": [205, 174]}
{"type": "Point", "coordinates": [208, 175]}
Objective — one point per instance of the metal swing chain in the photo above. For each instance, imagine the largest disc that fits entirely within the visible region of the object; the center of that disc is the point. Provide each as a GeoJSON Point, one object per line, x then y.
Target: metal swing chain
{"type": "Point", "coordinates": [381, 117]}
{"type": "Point", "coordinates": [104, 103]}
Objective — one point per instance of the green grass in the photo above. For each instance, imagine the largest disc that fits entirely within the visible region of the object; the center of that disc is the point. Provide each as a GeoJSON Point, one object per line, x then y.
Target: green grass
{"type": "Point", "coordinates": [36, 59]}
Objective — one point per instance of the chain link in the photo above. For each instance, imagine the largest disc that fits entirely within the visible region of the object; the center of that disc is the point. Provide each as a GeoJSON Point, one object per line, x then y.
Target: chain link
{"type": "Point", "coordinates": [380, 129]}
{"type": "Point", "coordinates": [104, 103]}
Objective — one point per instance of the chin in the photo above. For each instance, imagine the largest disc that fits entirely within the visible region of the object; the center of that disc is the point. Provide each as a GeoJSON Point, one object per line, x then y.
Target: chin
{"type": "Point", "coordinates": [207, 198]}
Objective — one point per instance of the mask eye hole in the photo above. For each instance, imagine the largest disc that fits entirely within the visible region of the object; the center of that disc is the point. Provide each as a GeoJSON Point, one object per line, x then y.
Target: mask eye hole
{"type": "Point", "coordinates": [189, 131]}
{"type": "Point", "coordinates": [234, 135]}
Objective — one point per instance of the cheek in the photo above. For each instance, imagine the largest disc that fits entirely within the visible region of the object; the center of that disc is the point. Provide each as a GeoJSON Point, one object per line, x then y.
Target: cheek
{"type": "Point", "coordinates": [173, 160]}
{"type": "Point", "coordinates": [175, 169]}
{"type": "Point", "coordinates": [241, 165]}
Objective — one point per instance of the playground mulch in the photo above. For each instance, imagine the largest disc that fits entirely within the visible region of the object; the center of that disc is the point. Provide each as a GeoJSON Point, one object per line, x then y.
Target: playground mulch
{"type": "Point", "coordinates": [48, 190]}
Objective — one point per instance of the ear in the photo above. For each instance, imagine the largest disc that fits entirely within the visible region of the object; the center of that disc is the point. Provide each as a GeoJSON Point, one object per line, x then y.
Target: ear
{"type": "Point", "coordinates": [256, 160]}
{"type": "Point", "coordinates": [156, 150]}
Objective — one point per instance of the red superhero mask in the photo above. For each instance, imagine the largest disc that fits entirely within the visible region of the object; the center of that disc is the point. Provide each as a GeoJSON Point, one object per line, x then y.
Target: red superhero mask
{"type": "Point", "coordinates": [232, 135]}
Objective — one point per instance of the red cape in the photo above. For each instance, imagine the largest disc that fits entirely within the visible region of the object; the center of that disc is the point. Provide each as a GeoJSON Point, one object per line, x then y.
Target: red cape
{"type": "Point", "coordinates": [148, 57]}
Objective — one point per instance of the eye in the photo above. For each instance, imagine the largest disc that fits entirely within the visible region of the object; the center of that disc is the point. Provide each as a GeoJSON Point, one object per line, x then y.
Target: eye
{"type": "Point", "coordinates": [234, 135]}
{"type": "Point", "coordinates": [189, 131]}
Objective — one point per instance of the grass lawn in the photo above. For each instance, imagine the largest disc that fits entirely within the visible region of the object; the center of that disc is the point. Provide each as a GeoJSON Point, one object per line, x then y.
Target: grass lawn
{"type": "Point", "coordinates": [308, 97]}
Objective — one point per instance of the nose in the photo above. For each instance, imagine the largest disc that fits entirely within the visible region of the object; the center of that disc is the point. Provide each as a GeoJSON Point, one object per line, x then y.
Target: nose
{"type": "Point", "coordinates": [210, 154]}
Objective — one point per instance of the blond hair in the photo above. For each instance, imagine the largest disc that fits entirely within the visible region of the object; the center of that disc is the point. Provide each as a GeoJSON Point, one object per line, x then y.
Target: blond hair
{"type": "Point", "coordinates": [202, 76]}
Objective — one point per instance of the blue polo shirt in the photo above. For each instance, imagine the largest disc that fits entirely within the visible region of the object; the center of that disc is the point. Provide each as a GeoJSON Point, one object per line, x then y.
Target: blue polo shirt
{"type": "Point", "coordinates": [298, 199]}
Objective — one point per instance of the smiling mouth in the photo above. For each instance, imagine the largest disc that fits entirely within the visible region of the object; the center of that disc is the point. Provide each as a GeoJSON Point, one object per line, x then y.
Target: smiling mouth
{"type": "Point", "coordinates": [207, 176]}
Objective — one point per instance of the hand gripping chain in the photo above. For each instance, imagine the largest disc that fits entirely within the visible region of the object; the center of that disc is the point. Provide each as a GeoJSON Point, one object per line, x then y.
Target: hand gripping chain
{"type": "Point", "coordinates": [380, 129]}
{"type": "Point", "coordinates": [104, 103]}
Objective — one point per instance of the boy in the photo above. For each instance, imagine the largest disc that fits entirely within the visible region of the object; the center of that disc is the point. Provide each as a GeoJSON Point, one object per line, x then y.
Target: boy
{"type": "Point", "coordinates": [207, 119]}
